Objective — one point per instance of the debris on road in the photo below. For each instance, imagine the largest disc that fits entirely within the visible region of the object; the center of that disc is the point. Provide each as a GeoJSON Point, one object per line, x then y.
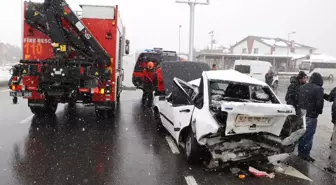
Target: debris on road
{"type": "Point", "coordinates": [258, 173]}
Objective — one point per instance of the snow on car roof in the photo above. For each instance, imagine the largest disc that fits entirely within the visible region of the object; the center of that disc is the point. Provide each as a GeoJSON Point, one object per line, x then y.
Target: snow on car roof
{"type": "Point", "coordinates": [233, 76]}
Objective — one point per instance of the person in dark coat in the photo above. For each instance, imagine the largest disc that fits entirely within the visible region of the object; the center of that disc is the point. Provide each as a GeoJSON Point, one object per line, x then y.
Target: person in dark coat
{"type": "Point", "coordinates": [331, 97]}
{"type": "Point", "coordinates": [269, 77]}
{"type": "Point", "coordinates": [148, 84]}
{"type": "Point", "coordinates": [292, 95]}
{"type": "Point", "coordinates": [311, 101]}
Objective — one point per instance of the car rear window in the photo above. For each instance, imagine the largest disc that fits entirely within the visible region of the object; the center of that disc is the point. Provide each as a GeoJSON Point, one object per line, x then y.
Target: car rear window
{"type": "Point", "coordinates": [243, 69]}
{"type": "Point", "coordinates": [227, 90]}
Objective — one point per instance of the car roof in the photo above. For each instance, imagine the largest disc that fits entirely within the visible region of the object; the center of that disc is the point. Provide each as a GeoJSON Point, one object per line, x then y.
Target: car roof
{"type": "Point", "coordinates": [233, 76]}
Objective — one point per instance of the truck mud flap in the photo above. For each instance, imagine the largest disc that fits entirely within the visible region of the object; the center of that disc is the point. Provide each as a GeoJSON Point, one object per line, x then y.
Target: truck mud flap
{"type": "Point", "coordinates": [105, 105]}
{"type": "Point", "coordinates": [36, 103]}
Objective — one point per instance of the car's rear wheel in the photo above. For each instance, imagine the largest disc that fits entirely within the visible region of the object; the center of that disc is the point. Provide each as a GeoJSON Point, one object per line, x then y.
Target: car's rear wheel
{"type": "Point", "coordinates": [192, 148]}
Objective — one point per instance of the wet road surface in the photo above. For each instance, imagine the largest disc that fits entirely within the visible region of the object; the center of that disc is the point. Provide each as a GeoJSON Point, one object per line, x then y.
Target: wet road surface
{"type": "Point", "coordinates": [74, 147]}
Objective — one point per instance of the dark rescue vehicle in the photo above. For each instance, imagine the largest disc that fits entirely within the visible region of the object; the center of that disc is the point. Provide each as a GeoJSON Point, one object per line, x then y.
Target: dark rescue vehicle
{"type": "Point", "coordinates": [156, 55]}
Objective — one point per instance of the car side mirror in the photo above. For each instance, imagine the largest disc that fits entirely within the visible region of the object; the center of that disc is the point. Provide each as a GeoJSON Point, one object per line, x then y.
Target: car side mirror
{"type": "Point", "coordinates": [127, 47]}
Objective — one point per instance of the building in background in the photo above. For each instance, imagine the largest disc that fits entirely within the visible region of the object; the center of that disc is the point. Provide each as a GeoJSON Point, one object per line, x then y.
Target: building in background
{"type": "Point", "coordinates": [284, 55]}
{"type": "Point", "coordinates": [270, 46]}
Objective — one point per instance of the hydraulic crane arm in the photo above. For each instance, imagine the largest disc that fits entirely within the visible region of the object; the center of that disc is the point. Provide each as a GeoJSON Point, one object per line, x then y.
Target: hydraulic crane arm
{"type": "Point", "coordinates": [55, 19]}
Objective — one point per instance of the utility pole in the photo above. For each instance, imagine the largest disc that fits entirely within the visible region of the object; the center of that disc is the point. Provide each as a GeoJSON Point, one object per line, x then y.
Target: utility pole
{"type": "Point", "coordinates": [212, 41]}
{"type": "Point", "coordinates": [288, 46]}
{"type": "Point", "coordinates": [180, 38]}
{"type": "Point", "coordinates": [192, 5]}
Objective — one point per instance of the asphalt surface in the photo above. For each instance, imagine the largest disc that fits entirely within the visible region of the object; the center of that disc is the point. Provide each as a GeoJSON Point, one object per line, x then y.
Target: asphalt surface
{"type": "Point", "coordinates": [75, 148]}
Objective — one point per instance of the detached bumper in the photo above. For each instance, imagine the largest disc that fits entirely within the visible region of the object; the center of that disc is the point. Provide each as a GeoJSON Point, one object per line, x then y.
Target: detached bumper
{"type": "Point", "coordinates": [251, 147]}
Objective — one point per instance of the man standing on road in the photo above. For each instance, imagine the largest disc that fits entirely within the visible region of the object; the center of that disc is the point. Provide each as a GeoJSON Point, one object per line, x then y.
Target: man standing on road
{"type": "Point", "coordinates": [160, 90]}
{"type": "Point", "coordinates": [269, 77]}
{"type": "Point", "coordinates": [148, 86]}
{"type": "Point", "coordinates": [311, 101]}
{"type": "Point", "coordinates": [292, 95]}
{"type": "Point", "coordinates": [332, 98]}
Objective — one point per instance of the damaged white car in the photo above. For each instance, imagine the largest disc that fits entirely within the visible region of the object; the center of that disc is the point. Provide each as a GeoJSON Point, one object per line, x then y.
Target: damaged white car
{"type": "Point", "coordinates": [230, 115]}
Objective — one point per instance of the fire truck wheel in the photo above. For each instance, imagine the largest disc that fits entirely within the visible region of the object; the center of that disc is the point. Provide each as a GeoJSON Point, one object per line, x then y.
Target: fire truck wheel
{"type": "Point", "coordinates": [15, 100]}
{"type": "Point", "coordinates": [36, 110]}
{"type": "Point", "coordinates": [100, 113]}
{"type": "Point", "coordinates": [50, 106]}
{"type": "Point", "coordinates": [112, 112]}
{"type": "Point", "coordinates": [118, 98]}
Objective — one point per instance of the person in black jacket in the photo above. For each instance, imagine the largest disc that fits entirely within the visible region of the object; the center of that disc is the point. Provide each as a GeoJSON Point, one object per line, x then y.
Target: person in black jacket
{"type": "Point", "coordinates": [311, 100]}
{"type": "Point", "coordinates": [269, 76]}
{"type": "Point", "coordinates": [332, 98]}
{"type": "Point", "coordinates": [292, 95]}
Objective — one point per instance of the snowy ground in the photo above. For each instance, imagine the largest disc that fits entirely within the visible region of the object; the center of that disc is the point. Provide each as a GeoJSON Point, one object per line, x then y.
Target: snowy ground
{"type": "Point", "coordinates": [128, 66]}
{"type": "Point", "coordinates": [4, 73]}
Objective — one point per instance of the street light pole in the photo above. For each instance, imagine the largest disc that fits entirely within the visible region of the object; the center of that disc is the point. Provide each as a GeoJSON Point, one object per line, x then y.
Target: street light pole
{"type": "Point", "coordinates": [192, 24]}
{"type": "Point", "coordinates": [288, 47]}
{"type": "Point", "coordinates": [211, 33]}
{"type": "Point", "coordinates": [180, 38]}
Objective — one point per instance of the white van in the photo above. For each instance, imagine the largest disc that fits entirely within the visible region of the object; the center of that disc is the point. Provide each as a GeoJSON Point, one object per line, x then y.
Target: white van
{"type": "Point", "coordinates": [256, 69]}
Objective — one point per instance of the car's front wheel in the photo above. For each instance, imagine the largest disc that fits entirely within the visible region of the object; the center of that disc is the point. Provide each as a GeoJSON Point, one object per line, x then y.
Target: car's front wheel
{"type": "Point", "coordinates": [192, 148]}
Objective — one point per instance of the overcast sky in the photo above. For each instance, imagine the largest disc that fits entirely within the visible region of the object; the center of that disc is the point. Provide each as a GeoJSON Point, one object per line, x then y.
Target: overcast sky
{"type": "Point", "coordinates": [154, 23]}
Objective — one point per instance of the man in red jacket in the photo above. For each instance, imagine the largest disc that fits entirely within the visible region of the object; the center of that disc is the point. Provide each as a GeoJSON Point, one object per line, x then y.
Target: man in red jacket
{"type": "Point", "coordinates": [159, 82]}
{"type": "Point", "coordinates": [148, 84]}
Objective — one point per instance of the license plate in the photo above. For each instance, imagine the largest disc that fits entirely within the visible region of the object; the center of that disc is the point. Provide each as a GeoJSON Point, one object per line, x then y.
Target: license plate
{"type": "Point", "coordinates": [25, 94]}
{"type": "Point", "coordinates": [242, 120]}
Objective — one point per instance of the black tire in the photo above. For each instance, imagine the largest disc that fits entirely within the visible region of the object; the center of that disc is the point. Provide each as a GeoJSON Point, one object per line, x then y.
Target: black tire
{"type": "Point", "coordinates": [111, 112]}
{"type": "Point", "coordinates": [143, 99]}
{"type": "Point", "coordinates": [15, 100]}
{"type": "Point", "coordinates": [50, 107]}
{"type": "Point", "coordinates": [100, 113]}
{"type": "Point", "coordinates": [192, 148]}
{"type": "Point", "coordinates": [158, 121]}
{"type": "Point", "coordinates": [36, 110]}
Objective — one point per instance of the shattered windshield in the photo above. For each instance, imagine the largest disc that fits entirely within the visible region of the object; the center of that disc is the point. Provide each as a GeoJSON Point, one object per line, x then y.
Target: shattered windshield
{"type": "Point", "coordinates": [239, 92]}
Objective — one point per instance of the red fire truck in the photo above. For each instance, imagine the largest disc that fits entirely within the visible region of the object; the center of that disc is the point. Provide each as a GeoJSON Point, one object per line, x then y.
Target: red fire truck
{"type": "Point", "coordinates": [70, 57]}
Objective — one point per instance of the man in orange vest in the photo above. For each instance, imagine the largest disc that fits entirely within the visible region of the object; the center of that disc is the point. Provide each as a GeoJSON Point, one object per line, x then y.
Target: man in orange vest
{"type": "Point", "coordinates": [160, 90]}
{"type": "Point", "coordinates": [148, 84]}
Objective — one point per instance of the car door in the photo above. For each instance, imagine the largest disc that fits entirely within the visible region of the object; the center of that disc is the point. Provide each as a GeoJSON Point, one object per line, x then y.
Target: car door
{"type": "Point", "coordinates": [167, 115]}
{"type": "Point", "coordinates": [183, 110]}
